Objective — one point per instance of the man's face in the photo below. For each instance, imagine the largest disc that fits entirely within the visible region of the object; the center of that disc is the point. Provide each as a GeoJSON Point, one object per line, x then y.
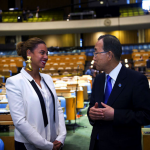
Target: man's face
{"type": "Point", "coordinates": [100, 59]}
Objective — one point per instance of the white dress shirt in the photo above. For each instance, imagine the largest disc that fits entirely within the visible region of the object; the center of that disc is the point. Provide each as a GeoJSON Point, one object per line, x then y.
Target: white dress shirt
{"type": "Point", "coordinates": [113, 74]}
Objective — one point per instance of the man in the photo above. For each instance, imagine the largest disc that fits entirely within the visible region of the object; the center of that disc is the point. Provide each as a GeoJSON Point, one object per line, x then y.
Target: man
{"type": "Point", "coordinates": [120, 100]}
{"type": "Point", "coordinates": [88, 72]}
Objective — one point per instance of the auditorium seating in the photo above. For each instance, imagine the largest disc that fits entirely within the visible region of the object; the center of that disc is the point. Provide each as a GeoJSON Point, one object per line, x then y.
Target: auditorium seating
{"type": "Point", "coordinates": [140, 57]}
{"type": "Point", "coordinates": [10, 65]}
{"type": "Point", "coordinates": [65, 64]}
{"type": "Point", "coordinates": [12, 16]}
{"type": "Point", "coordinates": [56, 65]}
{"type": "Point", "coordinates": [129, 11]}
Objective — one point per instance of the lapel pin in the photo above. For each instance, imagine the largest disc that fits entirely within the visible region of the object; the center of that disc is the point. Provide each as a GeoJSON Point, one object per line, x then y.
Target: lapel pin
{"type": "Point", "coordinates": [119, 84]}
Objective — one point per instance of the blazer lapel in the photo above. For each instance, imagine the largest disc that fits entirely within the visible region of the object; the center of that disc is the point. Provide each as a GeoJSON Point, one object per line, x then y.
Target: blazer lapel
{"type": "Point", "coordinates": [100, 92]}
{"type": "Point", "coordinates": [52, 98]}
{"type": "Point", "coordinates": [118, 87]}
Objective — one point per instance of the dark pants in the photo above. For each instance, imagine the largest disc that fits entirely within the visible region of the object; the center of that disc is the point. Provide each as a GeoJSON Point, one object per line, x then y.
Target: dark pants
{"type": "Point", "coordinates": [19, 146]}
{"type": "Point", "coordinates": [104, 145]}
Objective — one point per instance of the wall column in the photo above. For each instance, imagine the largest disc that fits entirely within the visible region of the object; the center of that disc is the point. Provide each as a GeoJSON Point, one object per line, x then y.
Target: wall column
{"type": "Point", "coordinates": [77, 39]}
{"type": "Point", "coordinates": [141, 36]}
{"type": "Point", "coordinates": [18, 38]}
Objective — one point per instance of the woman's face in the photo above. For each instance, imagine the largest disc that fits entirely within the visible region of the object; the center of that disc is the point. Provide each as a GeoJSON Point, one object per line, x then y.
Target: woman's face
{"type": "Point", "coordinates": [39, 56]}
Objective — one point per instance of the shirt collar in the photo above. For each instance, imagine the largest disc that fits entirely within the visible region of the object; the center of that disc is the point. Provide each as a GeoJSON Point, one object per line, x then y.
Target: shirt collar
{"type": "Point", "coordinates": [28, 76]}
{"type": "Point", "coordinates": [114, 73]}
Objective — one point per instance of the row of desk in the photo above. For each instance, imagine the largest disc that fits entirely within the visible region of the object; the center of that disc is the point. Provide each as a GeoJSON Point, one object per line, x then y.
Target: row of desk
{"type": "Point", "coordinates": [67, 89]}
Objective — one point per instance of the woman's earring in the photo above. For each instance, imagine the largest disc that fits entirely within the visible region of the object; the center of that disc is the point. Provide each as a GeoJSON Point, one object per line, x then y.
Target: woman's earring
{"type": "Point", "coordinates": [28, 64]}
{"type": "Point", "coordinates": [40, 70]}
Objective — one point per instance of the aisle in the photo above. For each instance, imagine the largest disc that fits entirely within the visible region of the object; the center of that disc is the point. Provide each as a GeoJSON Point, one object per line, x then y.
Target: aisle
{"type": "Point", "coordinates": [80, 139]}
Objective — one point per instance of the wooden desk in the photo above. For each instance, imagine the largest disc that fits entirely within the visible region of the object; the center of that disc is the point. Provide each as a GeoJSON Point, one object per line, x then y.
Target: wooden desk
{"type": "Point", "coordinates": [145, 138]}
{"type": "Point", "coordinates": [64, 92]}
{"type": "Point", "coordinates": [72, 85]}
{"type": "Point", "coordinates": [7, 123]}
{"type": "Point", "coordinates": [5, 119]}
{"type": "Point", "coordinates": [2, 93]}
{"type": "Point", "coordinates": [8, 139]}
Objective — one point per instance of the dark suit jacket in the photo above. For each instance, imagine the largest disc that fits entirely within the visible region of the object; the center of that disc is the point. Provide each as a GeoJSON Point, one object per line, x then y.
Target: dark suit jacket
{"type": "Point", "coordinates": [131, 103]}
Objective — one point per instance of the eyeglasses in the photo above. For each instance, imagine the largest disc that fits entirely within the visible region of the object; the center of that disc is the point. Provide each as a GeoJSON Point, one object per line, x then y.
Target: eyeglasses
{"type": "Point", "coordinates": [95, 54]}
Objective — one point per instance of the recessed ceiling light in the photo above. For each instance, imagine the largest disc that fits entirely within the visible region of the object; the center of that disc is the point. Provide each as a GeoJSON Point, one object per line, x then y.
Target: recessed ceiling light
{"type": "Point", "coordinates": [101, 2]}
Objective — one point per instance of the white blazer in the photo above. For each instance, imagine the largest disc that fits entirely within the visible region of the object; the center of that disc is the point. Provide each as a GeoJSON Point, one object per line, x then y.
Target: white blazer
{"type": "Point", "coordinates": [26, 111]}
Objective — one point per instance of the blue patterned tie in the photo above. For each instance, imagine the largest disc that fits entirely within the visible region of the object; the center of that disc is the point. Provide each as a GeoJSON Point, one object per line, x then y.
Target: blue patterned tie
{"type": "Point", "coordinates": [108, 89]}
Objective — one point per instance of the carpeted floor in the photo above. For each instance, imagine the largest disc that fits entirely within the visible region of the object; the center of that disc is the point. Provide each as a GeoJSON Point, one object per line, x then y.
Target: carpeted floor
{"type": "Point", "coordinates": [80, 138]}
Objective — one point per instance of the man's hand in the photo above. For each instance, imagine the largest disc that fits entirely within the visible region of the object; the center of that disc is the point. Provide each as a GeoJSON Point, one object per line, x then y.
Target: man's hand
{"type": "Point", "coordinates": [96, 113]}
{"type": "Point", "coordinates": [57, 145]}
{"type": "Point", "coordinates": [106, 113]}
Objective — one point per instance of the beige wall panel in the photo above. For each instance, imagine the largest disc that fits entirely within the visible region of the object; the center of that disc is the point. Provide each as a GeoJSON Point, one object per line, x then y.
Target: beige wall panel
{"type": "Point", "coordinates": [62, 40]}
{"type": "Point", "coordinates": [125, 37]}
{"type": "Point", "coordinates": [68, 40]}
{"type": "Point", "coordinates": [147, 35]}
{"type": "Point", "coordinates": [128, 37]}
{"type": "Point", "coordinates": [2, 39]}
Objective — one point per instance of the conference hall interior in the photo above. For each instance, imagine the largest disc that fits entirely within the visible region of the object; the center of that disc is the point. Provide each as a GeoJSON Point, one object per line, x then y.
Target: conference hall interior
{"type": "Point", "coordinates": [70, 29]}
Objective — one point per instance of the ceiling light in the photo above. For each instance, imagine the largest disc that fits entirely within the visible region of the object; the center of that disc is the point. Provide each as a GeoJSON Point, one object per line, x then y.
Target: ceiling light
{"type": "Point", "coordinates": [92, 62]}
{"type": "Point", "coordinates": [127, 65]}
{"type": "Point", "coordinates": [11, 9]}
{"type": "Point", "coordinates": [101, 2]}
{"type": "Point", "coordinates": [126, 60]}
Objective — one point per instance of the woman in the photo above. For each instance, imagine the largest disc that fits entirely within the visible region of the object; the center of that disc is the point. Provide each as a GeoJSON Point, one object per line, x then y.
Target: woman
{"type": "Point", "coordinates": [34, 107]}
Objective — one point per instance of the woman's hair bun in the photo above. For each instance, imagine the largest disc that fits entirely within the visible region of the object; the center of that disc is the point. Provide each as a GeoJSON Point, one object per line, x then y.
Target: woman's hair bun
{"type": "Point", "coordinates": [19, 47]}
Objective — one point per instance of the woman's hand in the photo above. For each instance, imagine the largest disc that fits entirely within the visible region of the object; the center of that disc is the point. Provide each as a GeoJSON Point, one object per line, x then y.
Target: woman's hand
{"type": "Point", "coordinates": [57, 145]}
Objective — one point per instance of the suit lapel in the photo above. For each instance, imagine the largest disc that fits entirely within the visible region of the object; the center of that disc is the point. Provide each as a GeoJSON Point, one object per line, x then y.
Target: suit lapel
{"type": "Point", "coordinates": [100, 92]}
{"type": "Point", "coordinates": [52, 93]}
{"type": "Point", "coordinates": [118, 87]}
